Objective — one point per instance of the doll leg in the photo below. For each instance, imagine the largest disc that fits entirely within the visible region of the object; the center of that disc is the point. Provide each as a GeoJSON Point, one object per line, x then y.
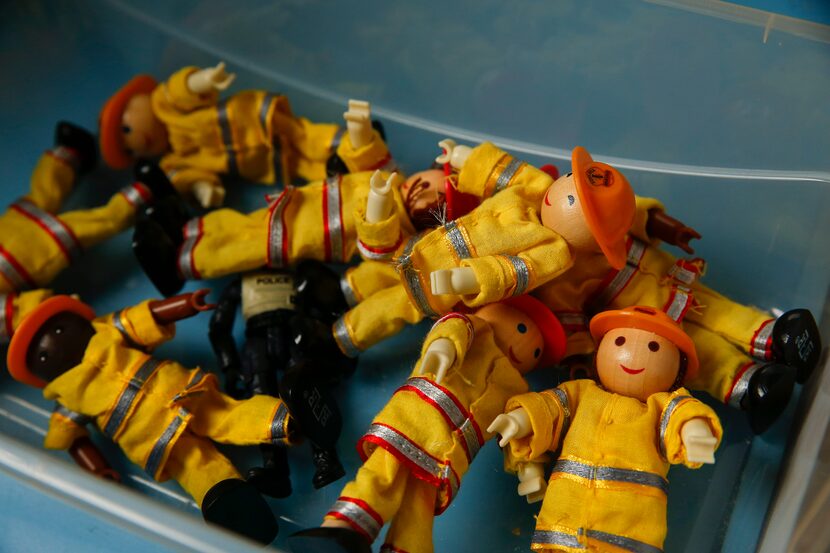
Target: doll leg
{"type": "Point", "coordinates": [216, 486]}
{"type": "Point", "coordinates": [411, 529]}
{"type": "Point", "coordinates": [52, 180]}
{"type": "Point", "coordinates": [366, 279]}
{"type": "Point", "coordinates": [304, 146]}
{"type": "Point", "coordinates": [376, 318]}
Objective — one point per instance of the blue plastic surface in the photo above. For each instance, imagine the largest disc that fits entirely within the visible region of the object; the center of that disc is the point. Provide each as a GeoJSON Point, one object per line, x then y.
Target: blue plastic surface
{"type": "Point", "coordinates": [729, 132]}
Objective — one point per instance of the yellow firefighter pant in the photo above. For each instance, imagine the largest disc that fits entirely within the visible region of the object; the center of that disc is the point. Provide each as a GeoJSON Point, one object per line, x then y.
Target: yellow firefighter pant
{"type": "Point", "coordinates": [376, 318]}
{"type": "Point", "coordinates": [720, 362]}
{"type": "Point", "coordinates": [395, 494]}
{"type": "Point", "coordinates": [197, 465]}
{"type": "Point", "coordinates": [51, 182]}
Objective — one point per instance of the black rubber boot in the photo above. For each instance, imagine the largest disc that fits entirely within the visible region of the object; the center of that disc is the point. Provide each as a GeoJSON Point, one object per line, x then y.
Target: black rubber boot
{"type": "Point", "coordinates": [327, 467]}
{"type": "Point", "coordinates": [767, 395]}
{"type": "Point", "coordinates": [237, 506]}
{"type": "Point", "coordinates": [154, 178]}
{"type": "Point", "coordinates": [328, 540]}
{"type": "Point", "coordinates": [80, 141]}
{"type": "Point", "coordinates": [157, 254]}
{"type": "Point", "coordinates": [796, 342]}
{"type": "Point", "coordinates": [319, 294]}
{"type": "Point", "coordinates": [272, 479]}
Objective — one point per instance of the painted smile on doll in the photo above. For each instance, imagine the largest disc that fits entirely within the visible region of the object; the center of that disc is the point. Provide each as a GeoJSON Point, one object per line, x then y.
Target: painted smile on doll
{"type": "Point", "coordinates": [632, 371]}
{"type": "Point", "coordinates": [547, 201]}
{"type": "Point", "coordinates": [512, 356]}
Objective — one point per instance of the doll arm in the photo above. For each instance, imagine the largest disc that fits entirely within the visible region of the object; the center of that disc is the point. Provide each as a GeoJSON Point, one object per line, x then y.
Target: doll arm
{"type": "Point", "coordinates": [670, 230]}
{"type": "Point", "coordinates": [210, 79]}
{"type": "Point", "coordinates": [513, 425]}
{"type": "Point", "coordinates": [67, 430]}
{"type": "Point", "coordinates": [446, 345]}
{"type": "Point", "coordinates": [151, 323]}
{"type": "Point", "coordinates": [183, 306]}
{"type": "Point", "coordinates": [379, 204]}
{"type": "Point", "coordinates": [362, 147]}
{"type": "Point", "coordinates": [358, 123]}
{"type": "Point", "coordinates": [90, 458]}
{"type": "Point", "coordinates": [537, 422]}
{"type": "Point", "coordinates": [676, 436]}
{"type": "Point", "coordinates": [379, 232]}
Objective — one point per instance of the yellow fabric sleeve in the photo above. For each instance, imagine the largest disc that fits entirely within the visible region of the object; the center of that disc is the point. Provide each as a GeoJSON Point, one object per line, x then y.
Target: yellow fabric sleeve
{"type": "Point", "coordinates": [383, 237]}
{"type": "Point", "coordinates": [477, 175]}
{"type": "Point", "coordinates": [62, 432]}
{"type": "Point", "coordinates": [142, 328]}
{"type": "Point", "coordinates": [497, 275]}
{"type": "Point", "coordinates": [369, 277]}
{"type": "Point", "coordinates": [184, 179]}
{"type": "Point", "coordinates": [643, 206]}
{"type": "Point", "coordinates": [685, 409]}
{"type": "Point", "coordinates": [546, 420]}
{"type": "Point", "coordinates": [366, 158]}
{"type": "Point", "coordinates": [51, 182]}
{"type": "Point", "coordinates": [455, 327]}
{"type": "Point", "coordinates": [177, 93]}
{"type": "Point", "coordinates": [92, 226]}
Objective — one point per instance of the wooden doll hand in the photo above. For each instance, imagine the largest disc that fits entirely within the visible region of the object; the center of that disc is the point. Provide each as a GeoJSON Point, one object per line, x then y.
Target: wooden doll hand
{"type": "Point", "coordinates": [208, 194]}
{"type": "Point", "coordinates": [358, 123]}
{"type": "Point", "coordinates": [458, 280]}
{"type": "Point", "coordinates": [532, 483]}
{"type": "Point", "coordinates": [210, 79]}
{"type": "Point", "coordinates": [511, 426]}
{"type": "Point", "coordinates": [699, 441]}
{"type": "Point", "coordinates": [379, 204]}
{"type": "Point", "coordinates": [453, 154]}
{"type": "Point", "coordinates": [438, 358]}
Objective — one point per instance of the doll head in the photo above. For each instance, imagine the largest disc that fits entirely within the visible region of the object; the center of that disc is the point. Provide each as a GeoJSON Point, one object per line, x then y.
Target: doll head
{"type": "Point", "coordinates": [422, 194]}
{"type": "Point", "coordinates": [50, 340]}
{"type": "Point", "coordinates": [129, 128]}
{"type": "Point", "coordinates": [592, 208]}
{"type": "Point", "coordinates": [641, 352]}
{"type": "Point", "coordinates": [526, 331]}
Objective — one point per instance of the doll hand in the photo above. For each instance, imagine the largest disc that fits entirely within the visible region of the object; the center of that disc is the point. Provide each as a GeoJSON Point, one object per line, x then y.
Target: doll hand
{"type": "Point", "coordinates": [439, 356]}
{"type": "Point", "coordinates": [511, 426]}
{"type": "Point", "coordinates": [683, 236]}
{"type": "Point", "coordinates": [699, 441]}
{"type": "Point", "coordinates": [459, 280]}
{"type": "Point", "coordinates": [208, 194]}
{"type": "Point", "coordinates": [379, 204]}
{"type": "Point", "coordinates": [453, 154]}
{"type": "Point", "coordinates": [235, 385]}
{"type": "Point", "coordinates": [358, 123]}
{"type": "Point", "coordinates": [210, 79]}
{"type": "Point", "coordinates": [532, 483]}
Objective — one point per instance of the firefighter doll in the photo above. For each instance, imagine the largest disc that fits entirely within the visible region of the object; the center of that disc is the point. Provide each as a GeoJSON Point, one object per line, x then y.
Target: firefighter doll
{"type": "Point", "coordinates": [419, 446]}
{"type": "Point", "coordinates": [162, 415]}
{"type": "Point", "coordinates": [37, 242]}
{"type": "Point", "coordinates": [749, 359]}
{"type": "Point", "coordinates": [527, 231]}
{"type": "Point", "coordinates": [321, 220]}
{"type": "Point", "coordinates": [283, 311]}
{"type": "Point", "coordinates": [607, 490]}
{"type": "Point", "coordinates": [201, 138]}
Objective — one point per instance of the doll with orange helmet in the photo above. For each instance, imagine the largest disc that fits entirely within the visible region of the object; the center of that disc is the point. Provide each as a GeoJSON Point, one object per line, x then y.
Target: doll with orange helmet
{"type": "Point", "coordinates": [418, 448]}
{"type": "Point", "coordinates": [607, 490]}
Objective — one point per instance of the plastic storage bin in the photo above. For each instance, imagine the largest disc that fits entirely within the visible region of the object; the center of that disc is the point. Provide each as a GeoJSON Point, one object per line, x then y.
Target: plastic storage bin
{"type": "Point", "coordinates": [717, 109]}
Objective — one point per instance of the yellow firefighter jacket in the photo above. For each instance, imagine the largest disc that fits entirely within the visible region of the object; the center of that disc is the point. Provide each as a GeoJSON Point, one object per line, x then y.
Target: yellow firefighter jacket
{"type": "Point", "coordinates": [436, 430]}
{"type": "Point", "coordinates": [608, 487]}
{"type": "Point", "coordinates": [15, 306]}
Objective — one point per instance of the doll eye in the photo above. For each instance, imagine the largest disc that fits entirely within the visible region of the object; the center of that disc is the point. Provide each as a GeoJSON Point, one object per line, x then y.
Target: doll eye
{"type": "Point", "coordinates": [653, 346]}
{"type": "Point", "coordinates": [126, 129]}
{"type": "Point", "coordinates": [620, 340]}
{"type": "Point", "coordinates": [59, 330]}
{"type": "Point", "coordinates": [571, 199]}
{"type": "Point", "coordinates": [568, 175]}
{"type": "Point", "coordinates": [537, 352]}
{"type": "Point", "coordinates": [43, 357]}
{"type": "Point", "coordinates": [521, 328]}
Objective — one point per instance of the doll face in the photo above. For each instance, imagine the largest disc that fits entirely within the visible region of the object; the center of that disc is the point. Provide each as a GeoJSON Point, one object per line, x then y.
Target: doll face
{"type": "Point", "coordinates": [422, 193]}
{"type": "Point", "coordinates": [562, 213]}
{"type": "Point", "coordinates": [59, 345]}
{"type": "Point", "coordinates": [516, 335]}
{"type": "Point", "coordinates": [143, 133]}
{"type": "Point", "coordinates": [637, 363]}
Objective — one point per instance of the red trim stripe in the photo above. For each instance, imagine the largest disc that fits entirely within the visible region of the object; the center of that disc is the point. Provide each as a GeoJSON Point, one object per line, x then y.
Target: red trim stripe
{"type": "Point", "coordinates": [48, 231]}
{"type": "Point", "coordinates": [767, 344]}
{"type": "Point", "coordinates": [382, 162]}
{"type": "Point", "coordinates": [326, 230]}
{"type": "Point", "coordinates": [18, 267]}
{"type": "Point", "coordinates": [735, 380]}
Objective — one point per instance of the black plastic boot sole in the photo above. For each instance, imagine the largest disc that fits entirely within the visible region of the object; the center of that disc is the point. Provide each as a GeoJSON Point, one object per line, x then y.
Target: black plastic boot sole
{"type": "Point", "coordinates": [157, 255]}
{"type": "Point", "coordinates": [768, 394]}
{"type": "Point", "coordinates": [328, 540]}
{"type": "Point", "coordinates": [237, 506]}
{"type": "Point", "coordinates": [270, 481]}
{"type": "Point", "coordinates": [796, 342]}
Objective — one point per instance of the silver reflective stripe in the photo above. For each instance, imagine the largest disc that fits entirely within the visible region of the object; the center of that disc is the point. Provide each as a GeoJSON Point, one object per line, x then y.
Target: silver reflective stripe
{"type": "Point", "coordinates": [267, 101]}
{"type": "Point", "coordinates": [522, 274]}
{"type": "Point", "coordinates": [562, 397]}
{"type": "Point", "coordinates": [412, 452]}
{"type": "Point", "coordinates": [67, 155]}
{"type": "Point", "coordinates": [680, 300]}
{"type": "Point", "coordinates": [335, 141]}
{"type": "Point", "coordinates": [550, 537]}
{"type": "Point", "coordinates": [348, 292]}
{"type": "Point", "coordinates": [161, 445]}
{"type": "Point", "coordinates": [197, 377]}
{"type": "Point", "coordinates": [134, 194]}
{"type": "Point", "coordinates": [5, 322]}
{"type": "Point", "coordinates": [358, 515]}
{"type": "Point", "coordinates": [122, 407]}
{"type": "Point", "coordinates": [664, 421]}
{"type": "Point", "coordinates": [759, 346]}
{"type": "Point", "coordinates": [276, 232]}
{"type": "Point", "coordinates": [593, 472]}
{"type": "Point", "coordinates": [571, 319]}
{"type": "Point", "coordinates": [335, 221]}
{"type": "Point", "coordinates": [278, 424]}
{"type": "Point", "coordinates": [460, 420]}
{"type": "Point", "coordinates": [456, 240]}
{"type": "Point", "coordinates": [341, 334]}
{"type": "Point", "coordinates": [507, 174]}
{"type": "Point", "coordinates": [8, 266]}
{"type": "Point", "coordinates": [192, 234]}
{"type": "Point", "coordinates": [227, 135]}
{"type": "Point", "coordinates": [682, 274]}
{"type": "Point", "coordinates": [78, 418]}
{"type": "Point", "coordinates": [623, 542]}
{"type": "Point", "coordinates": [412, 280]}
{"type": "Point", "coordinates": [56, 229]}
{"type": "Point", "coordinates": [620, 280]}
{"type": "Point", "coordinates": [118, 322]}
{"type": "Point", "coordinates": [742, 385]}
